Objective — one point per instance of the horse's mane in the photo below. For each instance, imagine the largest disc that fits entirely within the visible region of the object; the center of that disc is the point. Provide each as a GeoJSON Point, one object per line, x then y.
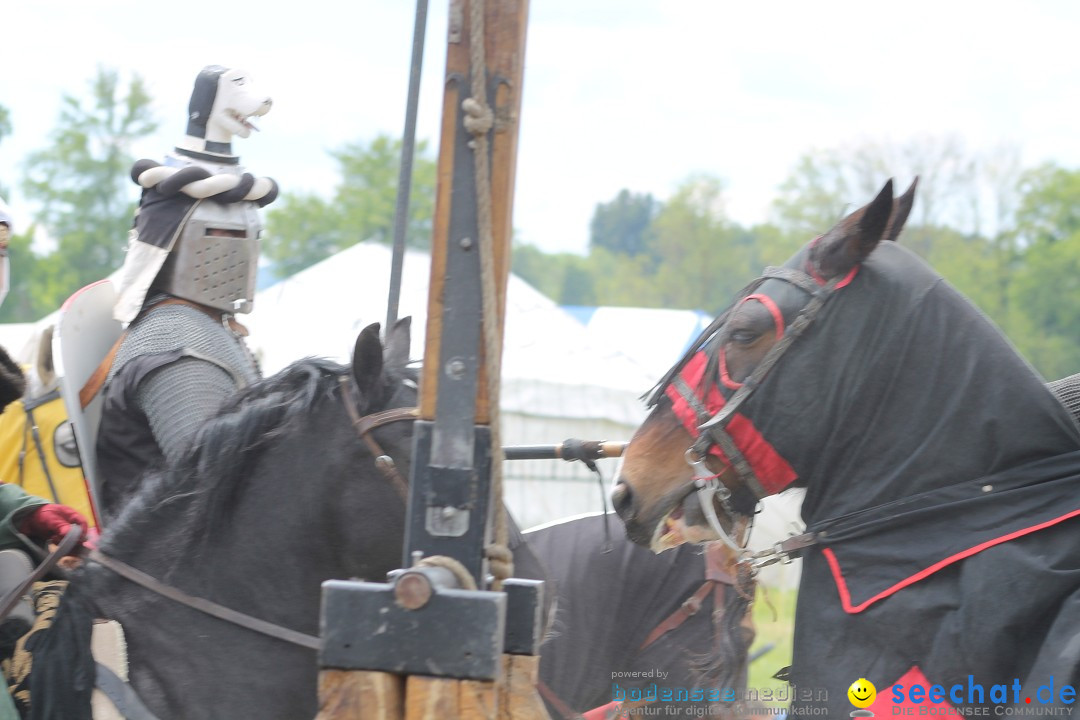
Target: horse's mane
{"type": "Point", "coordinates": [209, 477]}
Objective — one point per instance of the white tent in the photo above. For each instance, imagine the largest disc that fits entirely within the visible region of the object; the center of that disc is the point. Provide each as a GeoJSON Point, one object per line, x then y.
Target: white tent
{"type": "Point", "coordinates": [654, 338]}
{"type": "Point", "coordinates": [557, 381]}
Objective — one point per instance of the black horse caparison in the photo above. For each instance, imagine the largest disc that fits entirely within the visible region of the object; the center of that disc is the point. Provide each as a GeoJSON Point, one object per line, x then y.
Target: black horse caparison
{"type": "Point", "coordinates": [942, 477]}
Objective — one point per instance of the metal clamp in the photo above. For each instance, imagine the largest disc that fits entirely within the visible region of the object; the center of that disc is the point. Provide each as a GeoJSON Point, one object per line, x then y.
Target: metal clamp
{"type": "Point", "coordinates": [782, 552]}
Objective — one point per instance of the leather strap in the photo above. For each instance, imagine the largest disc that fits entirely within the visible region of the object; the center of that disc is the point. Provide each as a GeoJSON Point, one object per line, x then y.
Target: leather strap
{"type": "Point", "coordinates": [557, 702]}
{"type": "Point", "coordinates": [364, 425]}
{"type": "Point", "coordinates": [716, 577]}
{"type": "Point", "coordinates": [795, 543]}
{"type": "Point", "coordinates": [122, 694]}
{"type": "Point", "coordinates": [97, 379]}
{"type": "Point", "coordinates": [687, 610]}
{"type": "Point", "coordinates": [203, 605]}
{"type": "Point", "coordinates": [71, 539]}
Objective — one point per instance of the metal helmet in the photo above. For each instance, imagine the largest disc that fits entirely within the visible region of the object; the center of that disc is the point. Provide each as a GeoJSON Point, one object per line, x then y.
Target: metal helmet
{"type": "Point", "coordinates": [214, 258]}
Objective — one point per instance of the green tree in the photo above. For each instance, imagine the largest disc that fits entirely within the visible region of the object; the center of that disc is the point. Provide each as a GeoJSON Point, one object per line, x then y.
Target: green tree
{"type": "Point", "coordinates": [624, 225]}
{"type": "Point", "coordinates": [1049, 210]}
{"type": "Point", "coordinates": [703, 257]}
{"type": "Point", "coordinates": [302, 229]}
{"type": "Point", "coordinates": [1043, 316]}
{"type": "Point", "coordinates": [81, 182]}
{"type": "Point", "coordinates": [5, 130]}
{"type": "Point", "coordinates": [812, 198]}
{"type": "Point", "coordinates": [28, 299]}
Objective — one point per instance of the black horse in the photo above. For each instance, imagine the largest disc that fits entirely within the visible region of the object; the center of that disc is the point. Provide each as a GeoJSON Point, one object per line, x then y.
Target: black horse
{"type": "Point", "coordinates": [12, 380]}
{"type": "Point", "coordinates": [278, 494]}
{"type": "Point", "coordinates": [631, 625]}
{"type": "Point", "coordinates": [942, 477]}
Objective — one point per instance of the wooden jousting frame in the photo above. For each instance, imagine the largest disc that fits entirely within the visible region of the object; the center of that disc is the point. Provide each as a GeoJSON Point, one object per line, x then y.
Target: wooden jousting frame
{"type": "Point", "coordinates": [428, 644]}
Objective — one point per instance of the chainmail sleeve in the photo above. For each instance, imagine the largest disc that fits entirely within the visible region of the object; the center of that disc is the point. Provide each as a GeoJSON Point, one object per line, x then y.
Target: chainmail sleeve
{"type": "Point", "coordinates": [1067, 390]}
{"type": "Point", "coordinates": [179, 397]}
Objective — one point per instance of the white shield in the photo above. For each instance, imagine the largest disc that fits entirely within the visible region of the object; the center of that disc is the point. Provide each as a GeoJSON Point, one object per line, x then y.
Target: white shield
{"type": "Point", "coordinates": [85, 332]}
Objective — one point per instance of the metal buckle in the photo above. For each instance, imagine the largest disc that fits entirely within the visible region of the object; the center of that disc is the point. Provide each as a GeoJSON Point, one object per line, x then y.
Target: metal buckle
{"type": "Point", "coordinates": [765, 558]}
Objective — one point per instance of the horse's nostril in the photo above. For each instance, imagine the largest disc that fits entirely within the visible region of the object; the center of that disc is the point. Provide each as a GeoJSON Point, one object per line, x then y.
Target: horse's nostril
{"type": "Point", "coordinates": [621, 498]}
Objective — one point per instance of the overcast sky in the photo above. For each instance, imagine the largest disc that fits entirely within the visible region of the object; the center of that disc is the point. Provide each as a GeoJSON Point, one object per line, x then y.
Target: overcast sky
{"type": "Point", "coordinates": [634, 94]}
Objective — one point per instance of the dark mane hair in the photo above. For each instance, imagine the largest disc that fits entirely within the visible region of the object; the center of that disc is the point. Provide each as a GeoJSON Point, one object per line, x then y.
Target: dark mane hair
{"type": "Point", "coordinates": [224, 449]}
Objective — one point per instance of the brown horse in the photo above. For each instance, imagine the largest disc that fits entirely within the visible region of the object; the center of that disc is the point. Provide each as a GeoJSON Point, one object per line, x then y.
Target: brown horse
{"type": "Point", "coordinates": [941, 476]}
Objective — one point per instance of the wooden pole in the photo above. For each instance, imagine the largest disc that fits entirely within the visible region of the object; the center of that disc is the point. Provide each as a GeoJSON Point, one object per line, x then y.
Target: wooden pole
{"type": "Point", "coordinates": [505, 23]}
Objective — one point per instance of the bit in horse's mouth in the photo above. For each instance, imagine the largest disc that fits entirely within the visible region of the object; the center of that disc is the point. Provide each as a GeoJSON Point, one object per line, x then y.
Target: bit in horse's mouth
{"type": "Point", "coordinates": [668, 534]}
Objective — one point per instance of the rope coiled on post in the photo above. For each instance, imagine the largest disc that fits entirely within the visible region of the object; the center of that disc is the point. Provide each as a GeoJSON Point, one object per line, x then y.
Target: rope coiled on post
{"type": "Point", "coordinates": [479, 121]}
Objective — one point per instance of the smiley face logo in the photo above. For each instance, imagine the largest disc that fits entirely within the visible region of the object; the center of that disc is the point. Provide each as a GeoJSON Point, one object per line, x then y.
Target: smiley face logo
{"type": "Point", "coordinates": [862, 693]}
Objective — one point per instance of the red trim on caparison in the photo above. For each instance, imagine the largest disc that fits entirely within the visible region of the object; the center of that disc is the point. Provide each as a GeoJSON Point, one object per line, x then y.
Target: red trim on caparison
{"type": "Point", "coordinates": [845, 596]}
{"type": "Point", "coordinates": [603, 712]}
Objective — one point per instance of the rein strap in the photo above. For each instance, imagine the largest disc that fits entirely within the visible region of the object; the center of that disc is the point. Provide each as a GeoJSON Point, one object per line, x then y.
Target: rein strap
{"type": "Point", "coordinates": [364, 425]}
{"type": "Point", "coordinates": [203, 605]}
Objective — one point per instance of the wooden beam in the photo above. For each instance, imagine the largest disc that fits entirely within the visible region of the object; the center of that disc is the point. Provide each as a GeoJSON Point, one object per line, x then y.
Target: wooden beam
{"type": "Point", "coordinates": [360, 695]}
{"type": "Point", "coordinates": [429, 698]}
{"type": "Point", "coordinates": [505, 25]}
{"type": "Point", "coordinates": [519, 699]}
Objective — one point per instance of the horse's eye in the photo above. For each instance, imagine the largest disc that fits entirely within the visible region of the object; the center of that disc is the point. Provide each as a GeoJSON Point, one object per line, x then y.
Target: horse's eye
{"type": "Point", "coordinates": [743, 337]}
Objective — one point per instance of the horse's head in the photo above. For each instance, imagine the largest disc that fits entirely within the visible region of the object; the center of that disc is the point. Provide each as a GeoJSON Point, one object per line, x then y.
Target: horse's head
{"type": "Point", "coordinates": [679, 483]}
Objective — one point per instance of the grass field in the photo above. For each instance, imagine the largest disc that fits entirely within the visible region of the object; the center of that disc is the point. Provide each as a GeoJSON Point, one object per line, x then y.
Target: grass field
{"type": "Point", "coordinates": [774, 618]}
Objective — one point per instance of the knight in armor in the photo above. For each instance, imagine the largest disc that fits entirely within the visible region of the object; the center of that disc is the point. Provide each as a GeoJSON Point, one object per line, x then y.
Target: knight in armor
{"type": "Point", "coordinates": [190, 268]}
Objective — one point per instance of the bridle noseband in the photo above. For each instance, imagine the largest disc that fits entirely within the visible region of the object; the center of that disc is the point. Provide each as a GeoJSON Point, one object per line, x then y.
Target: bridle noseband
{"type": "Point", "coordinates": [713, 427]}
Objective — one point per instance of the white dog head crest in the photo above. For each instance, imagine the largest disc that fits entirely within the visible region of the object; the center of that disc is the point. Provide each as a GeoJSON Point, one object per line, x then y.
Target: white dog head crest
{"type": "Point", "coordinates": [222, 105]}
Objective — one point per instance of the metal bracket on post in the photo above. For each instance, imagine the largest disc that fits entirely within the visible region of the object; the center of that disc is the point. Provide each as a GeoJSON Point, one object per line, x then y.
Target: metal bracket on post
{"type": "Point", "coordinates": [407, 628]}
{"type": "Point", "coordinates": [524, 616]}
{"type": "Point", "coordinates": [449, 508]}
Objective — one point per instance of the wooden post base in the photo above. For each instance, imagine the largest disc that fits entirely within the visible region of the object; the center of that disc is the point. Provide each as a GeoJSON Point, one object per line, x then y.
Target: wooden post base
{"type": "Point", "coordinates": [360, 695]}
{"type": "Point", "coordinates": [365, 695]}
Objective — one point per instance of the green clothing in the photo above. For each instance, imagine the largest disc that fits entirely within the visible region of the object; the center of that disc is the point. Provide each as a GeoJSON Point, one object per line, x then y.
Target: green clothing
{"type": "Point", "coordinates": [7, 707]}
{"type": "Point", "coordinates": [14, 504]}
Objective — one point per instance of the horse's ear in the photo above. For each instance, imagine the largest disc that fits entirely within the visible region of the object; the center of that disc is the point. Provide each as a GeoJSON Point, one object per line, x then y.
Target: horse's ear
{"type": "Point", "coordinates": [849, 242]}
{"type": "Point", "coordinates": [398, 343]}
{"type": "Point", "coordinates": [367, 362]}
{"type": "Point", "coordinates": [901, 210]}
